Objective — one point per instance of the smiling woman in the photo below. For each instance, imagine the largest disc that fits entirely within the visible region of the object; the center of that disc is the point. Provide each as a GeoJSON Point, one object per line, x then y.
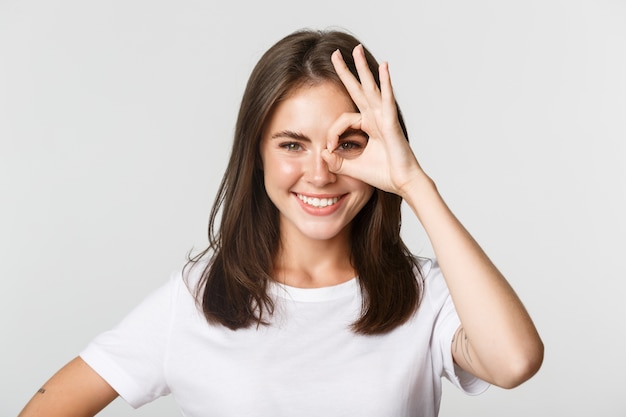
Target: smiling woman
{"type": "Point", "coordinates": [307, 302]}
{"type": "Point", "coordinates": [313, 203]}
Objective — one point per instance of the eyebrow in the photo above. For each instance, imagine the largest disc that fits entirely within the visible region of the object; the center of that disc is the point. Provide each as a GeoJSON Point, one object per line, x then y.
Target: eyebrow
{"type": "Point", "coordinates": [290, 134]}
{"type": "Point", "coordinates": [300, 136]}
{"type": "Point", "coordinates": [350, 132]}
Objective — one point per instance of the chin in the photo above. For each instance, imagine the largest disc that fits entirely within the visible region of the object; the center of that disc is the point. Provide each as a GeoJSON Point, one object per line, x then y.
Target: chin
{"type": "Point", "coordinates": [321, 233]}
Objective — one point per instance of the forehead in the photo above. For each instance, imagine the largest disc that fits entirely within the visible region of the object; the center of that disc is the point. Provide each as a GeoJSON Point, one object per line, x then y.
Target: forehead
{"type": "Point", "coordinates": [311, 104]}
{"type": "Point", "coordinates": [318, 89]}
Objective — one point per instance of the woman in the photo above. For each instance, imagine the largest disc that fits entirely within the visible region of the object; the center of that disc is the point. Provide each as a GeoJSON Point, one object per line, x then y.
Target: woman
{"type": "Point", "coordinates": [307, 302]}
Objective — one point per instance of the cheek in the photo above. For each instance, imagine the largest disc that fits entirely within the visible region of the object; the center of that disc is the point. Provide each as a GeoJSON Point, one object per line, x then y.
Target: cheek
{"type": "Point", "coordinates": [279, 171]}
{"type": "Point", "coordinates": [364, 189]}
{"type": "Point", "coordinates": [361, 193]}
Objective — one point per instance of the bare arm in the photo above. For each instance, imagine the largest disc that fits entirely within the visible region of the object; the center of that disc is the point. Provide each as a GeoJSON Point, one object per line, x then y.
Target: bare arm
{"type": "Point", "coordinates": [74, 391]}
{"type": "Point", "coordinates": [497, 340]}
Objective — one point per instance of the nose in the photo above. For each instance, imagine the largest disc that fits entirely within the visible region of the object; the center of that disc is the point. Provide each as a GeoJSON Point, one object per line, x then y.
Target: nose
{"type": "Point", "coordinates": [317, 172]}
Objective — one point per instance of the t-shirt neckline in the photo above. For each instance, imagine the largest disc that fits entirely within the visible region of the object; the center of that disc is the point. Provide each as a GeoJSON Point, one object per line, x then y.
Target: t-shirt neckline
{"type": "Point", "coordinates": [332, 292]}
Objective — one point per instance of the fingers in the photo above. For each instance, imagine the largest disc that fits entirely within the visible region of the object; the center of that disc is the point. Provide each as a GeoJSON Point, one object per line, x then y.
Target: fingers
{"type": "Point", "coordinates": [334, 161]}
{"type": "Point", "coordinates": [385, 86]}
{"type": "Point", "coordinates": [338, 161]}
{"type": "Point", "coordinates": [365, 75]}
{"type": "Point", "coordinates": [345, 122]}
{"type": "Point", "coordinates": [348, 79]}
{"type": "Point", "coordinates": [377, 116]}
{"type": "Point", "coordinates": [365, 93]}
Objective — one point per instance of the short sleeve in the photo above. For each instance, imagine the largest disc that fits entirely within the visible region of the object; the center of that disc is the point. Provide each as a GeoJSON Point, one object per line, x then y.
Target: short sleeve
{"type": "Point", "coordinates": [446, 323]}
{"type": "Point", "coordinates": [131, 356]}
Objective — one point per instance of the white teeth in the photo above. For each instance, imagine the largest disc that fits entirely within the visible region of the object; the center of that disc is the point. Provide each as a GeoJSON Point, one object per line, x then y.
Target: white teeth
{"type": "Point", "coordinates": [318, 202]}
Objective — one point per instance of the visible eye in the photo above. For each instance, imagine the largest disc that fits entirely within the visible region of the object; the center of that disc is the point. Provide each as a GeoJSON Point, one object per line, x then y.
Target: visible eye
{"type": "Point", "coordinates": [352, 146]}
{"type": "Point", "coordinates": [291, 146]}
{"type": "Point", "coordinates": [349, 146]}
{"type": "Point", "coordinates": [352, 143]}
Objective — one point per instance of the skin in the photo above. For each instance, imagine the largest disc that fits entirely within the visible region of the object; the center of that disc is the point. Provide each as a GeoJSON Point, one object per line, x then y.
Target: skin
{"type": "Point", "coordinates": [75, 391]}
{"type": "Point", "coordinates": [291, 147]}
{"type": "Point", "coordinates": [496, 341]}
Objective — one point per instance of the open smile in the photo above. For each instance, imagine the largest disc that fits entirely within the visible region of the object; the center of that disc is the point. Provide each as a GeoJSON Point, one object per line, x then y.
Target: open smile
{"type": "Point", "coordinates": [318, 202]}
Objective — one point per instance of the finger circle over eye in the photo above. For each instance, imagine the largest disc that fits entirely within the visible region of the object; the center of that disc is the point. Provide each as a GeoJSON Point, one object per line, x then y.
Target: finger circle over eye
{"type": "Point", "coordinates": [344, 122]}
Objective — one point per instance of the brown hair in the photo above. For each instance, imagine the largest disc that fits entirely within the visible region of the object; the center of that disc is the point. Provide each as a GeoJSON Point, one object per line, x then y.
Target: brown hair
{"type": "Point", "coordinates": [233, 287]}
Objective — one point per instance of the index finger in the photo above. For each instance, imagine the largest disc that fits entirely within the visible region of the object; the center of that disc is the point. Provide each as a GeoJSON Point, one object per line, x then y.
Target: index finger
{"type": "Point", "coordinates": [348, 79]}
{"type": "Point", "coordinates": [344, 123]}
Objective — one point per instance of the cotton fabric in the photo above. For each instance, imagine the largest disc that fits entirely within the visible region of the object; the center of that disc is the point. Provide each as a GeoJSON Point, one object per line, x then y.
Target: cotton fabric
{"type": "Point", "coordinates": [307, 362]}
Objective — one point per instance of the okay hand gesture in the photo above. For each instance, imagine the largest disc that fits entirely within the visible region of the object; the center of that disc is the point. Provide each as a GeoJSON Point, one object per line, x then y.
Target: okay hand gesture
{"type": "Point", "coordinates": [387, 162]}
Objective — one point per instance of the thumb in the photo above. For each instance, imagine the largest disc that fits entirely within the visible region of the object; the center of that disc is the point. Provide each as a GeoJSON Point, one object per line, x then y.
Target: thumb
{"type": "Point", "coordinates": [334, 161]}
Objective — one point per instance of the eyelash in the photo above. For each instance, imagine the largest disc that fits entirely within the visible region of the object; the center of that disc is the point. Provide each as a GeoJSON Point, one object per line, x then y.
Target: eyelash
{"type": "Point", "coordinates": [349, 146]}
{"type": "Point", "coordinates": [346, 146]}
{"type": "Point", "coordinates": [291, 146]}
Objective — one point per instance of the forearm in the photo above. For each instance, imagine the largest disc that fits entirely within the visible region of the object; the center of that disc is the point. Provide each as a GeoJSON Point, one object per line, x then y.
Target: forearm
{"type": "Point", "coordinates": [498, 341]}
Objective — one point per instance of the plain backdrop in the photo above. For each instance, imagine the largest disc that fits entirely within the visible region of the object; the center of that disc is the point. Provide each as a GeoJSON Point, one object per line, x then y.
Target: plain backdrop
{"type": "Point", "coordinates": [116, 119]}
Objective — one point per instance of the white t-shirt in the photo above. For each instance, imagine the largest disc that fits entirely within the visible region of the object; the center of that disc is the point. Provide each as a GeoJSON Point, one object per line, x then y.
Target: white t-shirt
{"type": "Point", "coordinates": [306, 363]}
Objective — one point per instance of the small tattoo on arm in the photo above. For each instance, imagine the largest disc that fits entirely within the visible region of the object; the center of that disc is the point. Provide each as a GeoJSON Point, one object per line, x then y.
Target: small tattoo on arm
{"type": "Point", "coordinates": [41, 390]}
{"type": "Point", "coordinates": [461, 343]}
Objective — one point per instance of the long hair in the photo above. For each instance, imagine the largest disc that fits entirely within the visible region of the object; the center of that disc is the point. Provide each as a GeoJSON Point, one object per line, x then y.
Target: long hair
{"type": "Point", "coordinates": [233, 286]}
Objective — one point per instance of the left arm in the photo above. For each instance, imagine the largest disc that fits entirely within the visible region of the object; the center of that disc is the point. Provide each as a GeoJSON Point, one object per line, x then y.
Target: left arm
{"type": "Point", "coordinates": [497, 340]}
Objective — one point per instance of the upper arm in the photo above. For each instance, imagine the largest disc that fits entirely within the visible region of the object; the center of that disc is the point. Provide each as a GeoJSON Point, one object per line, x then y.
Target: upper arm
{"type": "Point", "coordinates": [509, 374]}
{"type": "Point", "coordinates": [464, 355]}
{"type": "Point", "coordinates": [74, 391]}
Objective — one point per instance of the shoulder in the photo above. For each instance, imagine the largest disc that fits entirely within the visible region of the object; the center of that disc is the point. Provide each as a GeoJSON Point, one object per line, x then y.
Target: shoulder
{"type": "Point", "coordinates": [434, 288]}
{"type": "Point", "coordinates": [425, 265]}
{"type": "Point", "coordinates": [180, 288]}
{"type": "Point", "coordinates": [191, 274]}
{"type": "Point", "coordinates": [427, 269]}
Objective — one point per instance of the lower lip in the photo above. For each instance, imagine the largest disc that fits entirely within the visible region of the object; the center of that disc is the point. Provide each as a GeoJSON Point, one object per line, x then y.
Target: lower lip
{"type": "Point", "coordinates": [320, 211]}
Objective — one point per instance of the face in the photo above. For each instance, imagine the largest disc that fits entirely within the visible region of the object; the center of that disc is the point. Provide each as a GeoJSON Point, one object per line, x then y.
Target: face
{"type": "Point", "coordinates": [313, 202]}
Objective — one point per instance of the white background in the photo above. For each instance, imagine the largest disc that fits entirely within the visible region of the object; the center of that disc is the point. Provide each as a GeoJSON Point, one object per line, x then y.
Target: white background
{"type": "Point", "coordinates": [116, 119]}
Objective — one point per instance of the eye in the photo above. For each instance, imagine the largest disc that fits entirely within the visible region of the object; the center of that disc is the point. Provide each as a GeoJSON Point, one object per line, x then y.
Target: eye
{"type": "Point", "coordinates": [352, 143]}
{"type": "Point", "coordinates": [350, 149]}
{"type": "Point", "coordinates": [291, 146]}
{"type": "Point", "coordinates": [349, 146]}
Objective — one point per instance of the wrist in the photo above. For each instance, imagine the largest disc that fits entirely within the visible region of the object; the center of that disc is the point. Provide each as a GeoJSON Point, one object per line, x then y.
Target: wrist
{"type": "Point", "coordinates": [422, 195]}
{"type": "Point", "coordinates": [420, 183]}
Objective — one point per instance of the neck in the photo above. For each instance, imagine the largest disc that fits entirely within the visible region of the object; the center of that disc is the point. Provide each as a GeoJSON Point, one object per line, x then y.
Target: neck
{"type": "Point", "coordinates": [309, 263]}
